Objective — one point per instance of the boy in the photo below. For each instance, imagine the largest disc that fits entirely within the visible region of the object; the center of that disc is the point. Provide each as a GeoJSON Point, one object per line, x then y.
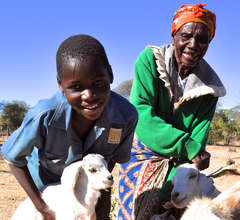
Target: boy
{"type": "Point", "coordinates": [85, 117]}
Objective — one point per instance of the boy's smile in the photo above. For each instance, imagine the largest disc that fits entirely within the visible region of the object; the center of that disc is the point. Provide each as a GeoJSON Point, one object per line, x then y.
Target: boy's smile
{"type": "Point", "coordinates": [86, 84]}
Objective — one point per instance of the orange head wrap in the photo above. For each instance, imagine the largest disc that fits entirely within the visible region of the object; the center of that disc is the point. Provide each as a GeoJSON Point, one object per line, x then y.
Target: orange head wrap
{"type": "Point", "coordinates": [194, 13]}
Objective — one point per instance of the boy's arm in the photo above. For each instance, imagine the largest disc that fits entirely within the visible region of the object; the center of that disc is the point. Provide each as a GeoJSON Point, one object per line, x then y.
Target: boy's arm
{"type": "Point", "coordinates": [15, 150]}
{"type": "Point", "coordinates": [25, 180]}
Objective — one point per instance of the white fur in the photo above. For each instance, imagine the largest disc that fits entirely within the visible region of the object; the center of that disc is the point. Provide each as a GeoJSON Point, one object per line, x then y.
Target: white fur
{"type": "Point", "coordinates": [75, 198]}
{"type": "Point", "coordinates": [226, 206]}
{"type": "Point", "coordinates": [189, 183]}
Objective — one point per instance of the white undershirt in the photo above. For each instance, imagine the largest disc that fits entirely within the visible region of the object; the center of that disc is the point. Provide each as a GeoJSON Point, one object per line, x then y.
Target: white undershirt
{"type": "Point", "coordinates": [182, 82]}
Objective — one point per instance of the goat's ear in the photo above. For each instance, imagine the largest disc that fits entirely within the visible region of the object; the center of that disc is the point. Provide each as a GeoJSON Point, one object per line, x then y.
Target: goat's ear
{"type": "Point", "coordinates": [71, 174]}
{"type": "Point", "coordinates": [205, 184]}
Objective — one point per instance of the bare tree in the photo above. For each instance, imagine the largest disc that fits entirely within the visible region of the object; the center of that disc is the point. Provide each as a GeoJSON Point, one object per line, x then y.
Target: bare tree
{"type": "Point", "coordinates": [124, 88]}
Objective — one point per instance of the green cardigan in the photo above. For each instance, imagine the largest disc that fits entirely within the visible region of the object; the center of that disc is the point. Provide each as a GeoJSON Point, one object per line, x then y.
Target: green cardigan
{"type": "Point", "coordinates": [179, 131]}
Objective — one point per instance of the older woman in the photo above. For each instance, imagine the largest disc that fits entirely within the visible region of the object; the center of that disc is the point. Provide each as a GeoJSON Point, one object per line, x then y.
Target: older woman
{"type": "Point", "coordinates": [175, 92]}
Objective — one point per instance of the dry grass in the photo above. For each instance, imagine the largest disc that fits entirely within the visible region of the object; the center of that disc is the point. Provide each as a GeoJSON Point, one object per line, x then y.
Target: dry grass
{"type": "Point", "coordinates": [220, 155]}
{"type": "Point", "coordinates": [11, 194]}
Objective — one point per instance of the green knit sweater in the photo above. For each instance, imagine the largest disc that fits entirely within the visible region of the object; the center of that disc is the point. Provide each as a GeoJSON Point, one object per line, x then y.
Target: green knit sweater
{"type": "Point", "coordinates": [179, 133]}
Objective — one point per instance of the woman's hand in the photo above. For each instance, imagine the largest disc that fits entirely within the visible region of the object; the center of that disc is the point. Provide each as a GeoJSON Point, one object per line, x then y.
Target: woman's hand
{"type": "Point", "coordinates": [202, 160]}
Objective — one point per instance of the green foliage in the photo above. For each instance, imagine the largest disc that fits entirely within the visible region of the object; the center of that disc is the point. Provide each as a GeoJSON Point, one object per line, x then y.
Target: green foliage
{"type": "Point", "coordinates": [13, 114]}
{"type": "Point", "coordinates": [225, 126]}
{"type": "Point", "coordinates": [215, 134]}
{"type": "Point", "coordinates": [2, 104]}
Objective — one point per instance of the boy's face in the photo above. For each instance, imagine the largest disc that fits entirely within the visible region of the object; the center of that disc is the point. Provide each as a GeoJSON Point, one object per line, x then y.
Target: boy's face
{"type": "Point", "coordinates": [86, 85]}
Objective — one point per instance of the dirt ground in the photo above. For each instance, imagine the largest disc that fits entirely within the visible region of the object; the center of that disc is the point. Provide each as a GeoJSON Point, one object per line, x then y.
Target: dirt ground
{"type": "Point", "coordinates": [11, 194]}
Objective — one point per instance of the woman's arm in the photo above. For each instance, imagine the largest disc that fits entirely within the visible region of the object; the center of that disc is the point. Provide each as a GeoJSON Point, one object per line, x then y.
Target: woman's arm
{"type": "Point", "coordinates": [200, 130]}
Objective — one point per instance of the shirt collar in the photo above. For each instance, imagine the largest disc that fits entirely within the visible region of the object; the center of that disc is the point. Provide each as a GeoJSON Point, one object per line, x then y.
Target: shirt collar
{"type": "Point", "coordinates": [62, 114]}
{"type": "Point", "coordinates": [110, 115]}
{"type": "Point", "coordinates": [202, 81]}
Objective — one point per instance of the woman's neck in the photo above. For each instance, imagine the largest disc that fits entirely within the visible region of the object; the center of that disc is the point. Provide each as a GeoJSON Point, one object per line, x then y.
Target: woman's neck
{"type": "Point", "coordinates": [183, 70]}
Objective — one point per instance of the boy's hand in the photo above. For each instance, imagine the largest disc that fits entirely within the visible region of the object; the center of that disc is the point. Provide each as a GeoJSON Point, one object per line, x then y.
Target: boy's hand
{"type": "Point", "coordinates": [202, 160]}
{"type": "Point", "coordinates": [48, 214]}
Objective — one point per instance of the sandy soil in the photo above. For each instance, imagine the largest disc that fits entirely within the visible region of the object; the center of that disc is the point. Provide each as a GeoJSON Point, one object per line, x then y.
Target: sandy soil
{"type": "Point", "coordinates": [11, 194]}
{"type": "Point", "coordinates": [219, 157]}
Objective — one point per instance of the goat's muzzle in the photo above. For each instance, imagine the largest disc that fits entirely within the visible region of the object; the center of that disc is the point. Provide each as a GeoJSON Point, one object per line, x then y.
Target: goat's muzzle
{"type": "Point", "coordinates": [108, 182]}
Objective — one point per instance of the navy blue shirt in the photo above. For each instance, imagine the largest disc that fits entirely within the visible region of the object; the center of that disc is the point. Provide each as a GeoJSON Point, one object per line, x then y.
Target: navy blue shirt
{"type": "Point", "coordinates": [46, 143]}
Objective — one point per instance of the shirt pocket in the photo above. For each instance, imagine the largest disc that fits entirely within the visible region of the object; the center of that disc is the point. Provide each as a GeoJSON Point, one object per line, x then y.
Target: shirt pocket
{"type": "Point", "coordinates": [55, 163]}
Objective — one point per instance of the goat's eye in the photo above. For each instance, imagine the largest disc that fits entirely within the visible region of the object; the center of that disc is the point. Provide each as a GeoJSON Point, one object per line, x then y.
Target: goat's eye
{"type": "Point", "coordinates": [192, 175]}
{"type": "Point", "coordinates": [93, 170]}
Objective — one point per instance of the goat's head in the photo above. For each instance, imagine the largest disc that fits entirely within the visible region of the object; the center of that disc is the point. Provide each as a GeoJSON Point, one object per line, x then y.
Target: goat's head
{"type": "Point", "coordinates": [189, 183]}
{"type": "Point", "coordinates": [96, 169]}
{"type": "Point", "coordinates": [225, 206]}
{"type": "Point", "coordinates": [92, 171]}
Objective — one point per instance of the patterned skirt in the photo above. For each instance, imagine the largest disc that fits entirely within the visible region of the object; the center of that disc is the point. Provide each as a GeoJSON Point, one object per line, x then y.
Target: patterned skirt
{"type": "Point", "coordinates": [140, 181]}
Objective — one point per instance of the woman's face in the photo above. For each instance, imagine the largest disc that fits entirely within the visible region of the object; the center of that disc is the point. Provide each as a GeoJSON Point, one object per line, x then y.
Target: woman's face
{"type": "Point", "coordinates": [191, 43]}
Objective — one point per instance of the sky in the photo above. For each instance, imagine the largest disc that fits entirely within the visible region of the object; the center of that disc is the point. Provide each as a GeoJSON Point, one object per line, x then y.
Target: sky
{"type": "Point", "coordinates": [31, 32]}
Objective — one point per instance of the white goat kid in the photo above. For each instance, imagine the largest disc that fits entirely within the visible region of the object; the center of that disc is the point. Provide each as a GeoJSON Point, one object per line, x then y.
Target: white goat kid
{"type": "Point", "coordinates": [189, 183]}
{"type": "Point", "coordinates": [76, 197]}
{"type": "Point", "coordinates": [225, 206]}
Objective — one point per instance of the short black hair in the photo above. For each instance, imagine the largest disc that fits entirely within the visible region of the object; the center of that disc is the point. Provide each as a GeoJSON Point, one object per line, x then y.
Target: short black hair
{"type": "Point", "coordinates": [80, 47]}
